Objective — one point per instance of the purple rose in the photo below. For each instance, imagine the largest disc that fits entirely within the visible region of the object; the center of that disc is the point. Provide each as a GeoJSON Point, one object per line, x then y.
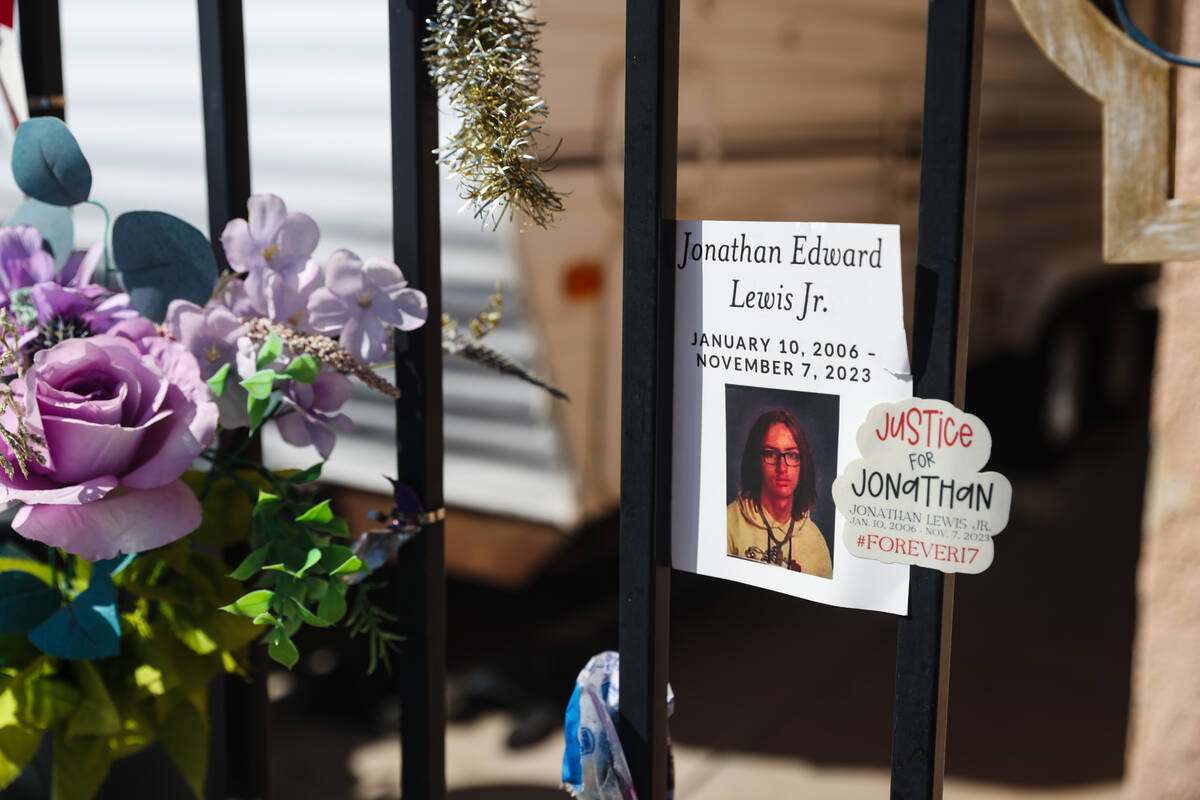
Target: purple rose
{"type": "Point", "coordinates": [122, 417]}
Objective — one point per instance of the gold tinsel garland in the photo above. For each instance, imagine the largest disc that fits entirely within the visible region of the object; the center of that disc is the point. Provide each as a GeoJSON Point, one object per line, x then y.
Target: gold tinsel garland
{"type": "Point", "coordinates": [483, 57]}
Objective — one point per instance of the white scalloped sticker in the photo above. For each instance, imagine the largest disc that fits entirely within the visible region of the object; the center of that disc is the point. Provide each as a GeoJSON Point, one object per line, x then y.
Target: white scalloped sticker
{"type": "Point", "coordinates": [917, 496]}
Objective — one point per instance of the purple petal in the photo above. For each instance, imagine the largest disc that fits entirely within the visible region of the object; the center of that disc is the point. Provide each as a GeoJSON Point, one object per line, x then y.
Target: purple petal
{"type": "Point", "coordinates": [298, 236]}
{"type": "Point", "coordinates": [129, 521]}
{"type": "Point", "coordinates": [330, 391]}
{"type": "Point", "coordinates": [267, 214]}
{"type": "Point", "coordinates": [173, 444]}
{"type": "Point", "coordinates": [240, 249]}
{"type": "Point", "coordinates": [81, 266]}
{"type": "Point", "coordinates": [185, 322]}
{"type": "Point", "coordinates": [327, 312]}
{"type": "Point", "coordinates": [343, 274]}
{"type": "Point", "coordinates": [83, 450]}
{"type": "Point", "coordinates": [366, 338]}
{"type": "Point", "coordinates": [40, 489]}
{"type": "Point", "coordinates": [406, 309]}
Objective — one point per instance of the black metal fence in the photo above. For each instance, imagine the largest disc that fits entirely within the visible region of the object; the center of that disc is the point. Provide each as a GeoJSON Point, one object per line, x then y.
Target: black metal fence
{"type": "Point", "coordinates": [652, 64]}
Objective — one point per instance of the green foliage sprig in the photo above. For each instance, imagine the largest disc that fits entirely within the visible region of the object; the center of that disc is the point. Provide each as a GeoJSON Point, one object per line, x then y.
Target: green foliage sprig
{"type": "Point", "coordinates": [482, 56]}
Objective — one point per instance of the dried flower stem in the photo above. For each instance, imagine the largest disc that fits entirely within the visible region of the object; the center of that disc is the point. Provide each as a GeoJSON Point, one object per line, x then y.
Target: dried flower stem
{"type": "Point", "coordinates": [322, 348]}
{"type": "Point", "coordinates": [26, 445]}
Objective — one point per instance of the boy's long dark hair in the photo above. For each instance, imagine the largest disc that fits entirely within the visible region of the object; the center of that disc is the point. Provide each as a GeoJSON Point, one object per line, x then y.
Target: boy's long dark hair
{"type": "Point", "coordinates": [752, 465]}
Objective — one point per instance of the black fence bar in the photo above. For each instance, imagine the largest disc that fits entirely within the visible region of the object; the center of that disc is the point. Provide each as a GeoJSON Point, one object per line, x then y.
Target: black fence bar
{"type": "Point", "coordinates": [942, 304]}
{"type": "Point", "coordinates": [648, 335]}
{"type": "Point", "coordinates": [419, 440]}
{"type": "Point", "coordinates": [226, 133]}
{"type": "Point", "coordinates": [41, 57]}
{"type": "Point", "coordinates": [238, 710]}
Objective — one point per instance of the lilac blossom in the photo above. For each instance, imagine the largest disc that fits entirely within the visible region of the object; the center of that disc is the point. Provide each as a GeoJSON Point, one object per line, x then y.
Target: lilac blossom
{"type": "Point", "coordinates": [361, 300]}
{"type": "Point", "coordinates": [284, 297]}
{"type": "Point", "coordinates": [310, 413]}
{"type": "Point", "coordinates": [270, 238]}
{"type": "Point", "coordinates": [213, 335]}
{"type": "Point", "coordinates": [233, 296]}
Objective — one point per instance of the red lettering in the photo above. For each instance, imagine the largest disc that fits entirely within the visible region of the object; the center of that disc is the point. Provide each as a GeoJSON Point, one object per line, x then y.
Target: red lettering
{"type": "Point", "coordinates": [900, 543]}
{"type": "Point", "coordinates": [889, 541]}
{"type": "Point", "coordinates": [965, 434]}
{"type": "Point", "coordinates": [913, 426]}
{"type": "Point", "coordinates": [939, 551]}
{"type": "Point", "coordinates": [930, 413]}
{"type": "Point", "coordinates": [892, 426]}
{"type": "Point", "coordinates": [974, 552]}
{"type": "Point", "coordinates": [951, 434]}
{"type": "Point", "coordinates": [954, 554]}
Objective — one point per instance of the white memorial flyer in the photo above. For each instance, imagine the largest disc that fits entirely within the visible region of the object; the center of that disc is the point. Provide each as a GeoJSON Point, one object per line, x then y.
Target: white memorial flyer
{"type": "Point", "coordinates": [786, 335]}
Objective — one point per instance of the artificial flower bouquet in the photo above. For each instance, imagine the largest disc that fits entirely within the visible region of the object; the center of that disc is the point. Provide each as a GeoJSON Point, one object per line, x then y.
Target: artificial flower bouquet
{"type": "Point", "coordinates": [137, 380]}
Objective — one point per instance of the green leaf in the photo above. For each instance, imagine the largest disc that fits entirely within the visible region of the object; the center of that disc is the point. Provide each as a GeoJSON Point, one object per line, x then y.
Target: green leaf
{"type": "Point", "coordinates": [96, 714]}
{"type": "Point", "coordinates": [259, 384]}
{"type": "Point", "coordinates": [303, 368]}
{"type": "Point", "coordinates": [25, 565]}
{"type": "Point", "coordinates": [333, 605]}
{"type": "Point", "coordinates": [266, 618]}
{"type": "Point", "coordinates": [25, 601]}
{"type": "Point", "coordinates": [18, 745]}
{"type": "Point", "coordinates": [48, 164]}
{"type": "Point", "coordinates": [257, 409]}
{"type": "Point", "coordinates": [320, 514]}
{"type": "Point", "coordinates": [297, 477]}
{"type": "Point", "coordinates": [184, 734]}
{"type": "Point", "coordinates": [266, 500]}
{"type": "Point", "coordinates": [80, 765]}
{"type": "Point", "coordinates": [282, 650]}
{"type": "Point", "coordinates": [335, 527]}
{"type": "Point", "coordinates": [250, 604]}
{"type": "Point", "coordinates": [162, 258]}
{"type": "Point", "coordinates": [314, 555]}
{"type": "Point", "coordinates": [269, 351]}
{"type": "Point", "coordinates": [251, 563]}
{"type": "Point", "coordinates": [217, 381]}
{"type": "Point", "coordinates": [309, 617]}
{"type": "Point", "coordinates": [337, 559]}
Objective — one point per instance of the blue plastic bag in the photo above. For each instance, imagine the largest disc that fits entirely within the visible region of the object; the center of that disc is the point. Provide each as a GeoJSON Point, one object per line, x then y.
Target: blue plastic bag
{"type": "Point", "coordinates": [594, 766]}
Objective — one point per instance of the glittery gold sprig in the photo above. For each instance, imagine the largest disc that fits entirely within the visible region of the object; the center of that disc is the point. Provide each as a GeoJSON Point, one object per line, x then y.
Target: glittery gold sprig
{"type": "Point", "coordinates": [486, 321]}
{"type": "Point", "coordinates": [323, 349]}
{"type": "Point", "coordinates": [483, 57]}
{"type": "Point", "coordinates": [457, 342]}
{"type": "Point", "coordinates": [27, 446]}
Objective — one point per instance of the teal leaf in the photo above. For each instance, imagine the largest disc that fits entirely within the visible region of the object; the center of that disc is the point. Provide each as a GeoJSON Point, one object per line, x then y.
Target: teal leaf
{"type": "Point", "coordinates": [25, 601]}
{"type": "Point", "coordinates": [282, 650]}
{"type": "Point", "coordinates": [269, 351]}
{"type": "Point", "coordinates": [48, 164]}
{"type": "Point", "coordinates": [217, 381]}
{"type": "Point", "coordinates": [162, 258]}
{"type": "Point", "coordinates": [259, 384]}
{"type": "Point", "coordinates": [88, 627]}
{"type": "Point", "coordinates": [54, 223]}
{"type": "Point", "coordinates": [303, 368]}
{"type": "Point", "coordinates": [250, 604]}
